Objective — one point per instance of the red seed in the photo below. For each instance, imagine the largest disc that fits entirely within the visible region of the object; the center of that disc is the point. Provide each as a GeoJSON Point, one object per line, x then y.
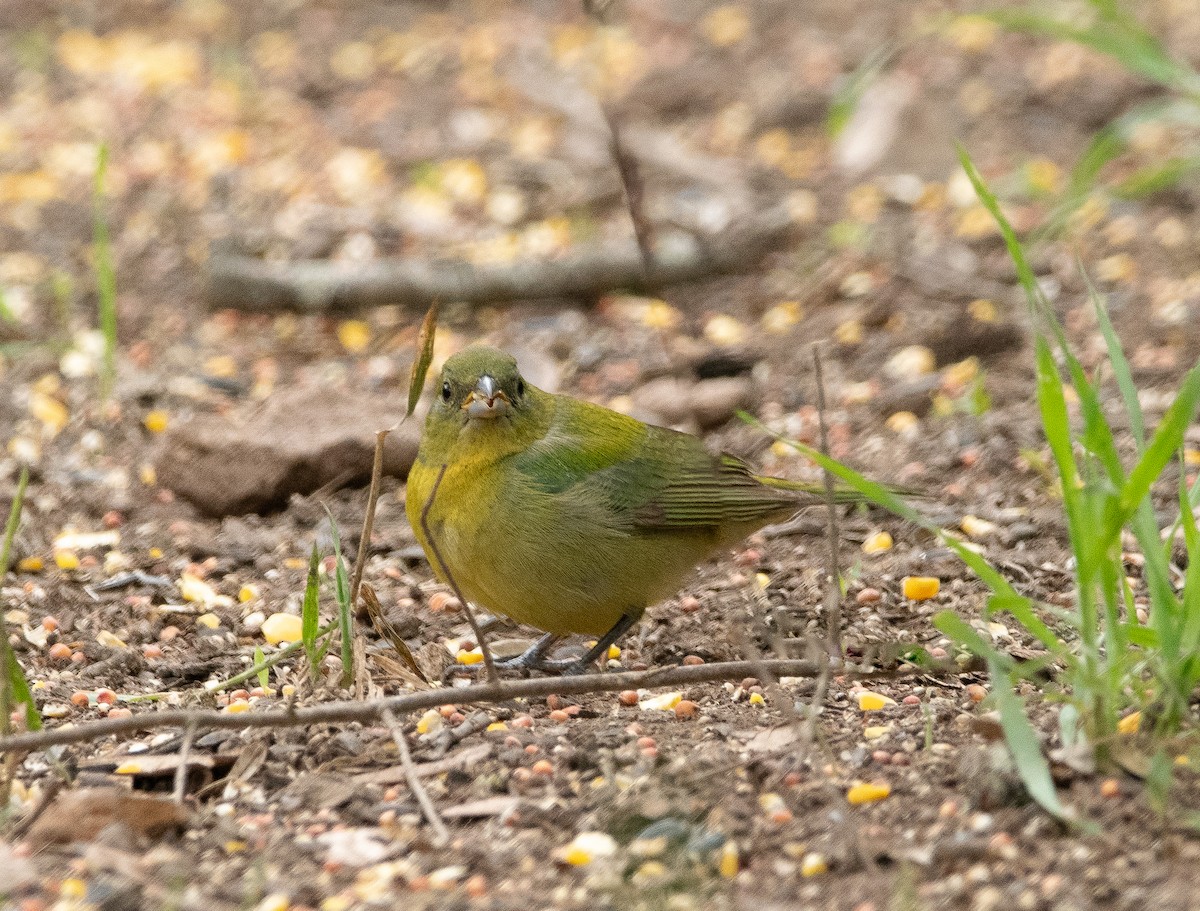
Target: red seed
{"type": "Point", "coordinates": [475, 887]}
{"type": "Point", "coordinates": [106, 697]}
{"type": "Point", "coordinates": [113, 519]}
{"type": "Point", "coordinates": [60, 651]}
{"type": "Point", "coordinates": [152, 651]}
{"type": "Point", "coordinates": [911, 699]}
{"type": "Point", "coordinates": [443, 601]}
{"type": "Point", "coordinates": [644, 742]}
{"type": "Point", "coordinates": [78, 657]}
{"type": "Point", "coordinates": [120, 712]}
{"type": "Point", "coordinates": [791, 779]}
{"type": "Point", "coordinates": [447, 710]}
{"type": "Point", "coordinates": [977, 692]}
{"type": "Point", "coordinates": [522, 721]}
{"type": "Point", "coordinates": [883, 757]}
{"type": "Point", "coordinates": [628, 697]}
{"type": "Point", "coordinates": [748, 682]}
{"type": "Point", "coordinates": [573, 710]}
{"type": "Point", "coordinates": [457, 718]}
{"type": "Point", "coordinates": [868, 596]}
{"type": "Point", "coordinates": [167, 633]}
{"type": "Point", "coordinates": [748, 557]}
{"type": "Point", "coordinates": [543, 767]}
{"type": "Point", "coordinates": [554, 702]}
{"type": "Point", "coordinates": [689, 604]}
{"type": "Point", "coordinates": [692, 660]}
{"type": "Point", "coordinates": [532, 749]}
{"type": "Point", "coordinates": [49, 623]}
{"type": "Point", "coordinates": [79, 697]}
{"type": "Point", "coordinates": [937, 652]}
{"type": "Point", "coordinates": [559, 715]}
{"type": "Point", "coordinates": [685, 708]}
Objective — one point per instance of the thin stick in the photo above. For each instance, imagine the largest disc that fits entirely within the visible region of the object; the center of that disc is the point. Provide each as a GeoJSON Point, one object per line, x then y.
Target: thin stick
{"type": "Point", "coordinates": [353, 710]}
{"type": "Point", "coordinates": [364, 540]}
{"type": "Point", "coordinates": [181, 770]}
{"type": "Point", "coordinates": [440, 832]}
{"type": "Point", "coordinates": [493, 677]}
{"type": "Point", "coordinates": [833, 585]}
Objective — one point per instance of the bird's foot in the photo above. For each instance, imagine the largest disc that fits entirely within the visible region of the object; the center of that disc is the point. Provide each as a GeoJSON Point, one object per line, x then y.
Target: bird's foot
{"type": "Point", "coordinates": [532, 659]}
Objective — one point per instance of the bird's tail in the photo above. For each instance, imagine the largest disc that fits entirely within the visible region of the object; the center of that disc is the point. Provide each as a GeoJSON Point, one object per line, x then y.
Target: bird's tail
{"type": "Point", "coordinates": [841, 493]}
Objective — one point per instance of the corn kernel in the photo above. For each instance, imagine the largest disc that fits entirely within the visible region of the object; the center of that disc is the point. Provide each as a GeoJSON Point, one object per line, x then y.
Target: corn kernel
{"type": "Point", "coordinates": [813, 864]}
{"type": "Point", "coordinates": [156, 421]}
{"type": "Point", "coordinates": [920, 588]}
{"type": "Point", "coordinates": [865, 792]}
{"type": "Point", "coordinates": [729, 860]}
{"type": "Point", "coordinates": [877, 543]}
{"type": "Point", "coordinates": [873, 702]}
{"type": "Point", "coordinates": [1131, 723]}
{"type": "Point", "coordinates": [465, 657]}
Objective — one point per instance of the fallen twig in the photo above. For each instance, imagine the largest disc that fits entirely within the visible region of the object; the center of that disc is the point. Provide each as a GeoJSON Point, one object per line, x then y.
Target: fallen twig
{"type": "Point", "coordinates": [353, 710]}
{"type": "Point", "coordinates": [181, 770]}
{"type": "Point", "coordinates": [441, 833]}
{"type": "Point", "coordinates": [251, 284]}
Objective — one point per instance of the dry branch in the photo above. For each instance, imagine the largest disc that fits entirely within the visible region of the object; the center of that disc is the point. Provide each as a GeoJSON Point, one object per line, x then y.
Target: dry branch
{"type": "Point", "coordinates": [352, 710]}
{"type": "Point", "coordinates": [246, 283]}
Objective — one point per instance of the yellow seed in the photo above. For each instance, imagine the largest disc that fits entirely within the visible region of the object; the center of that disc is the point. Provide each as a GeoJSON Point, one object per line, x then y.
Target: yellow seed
{"type": "Point", "coordinates": [762, 580]}
{"type": "Point", "coordinates": [287, 690]}
{"type": "Point", "coordinates": [577, 857]}
{"type": "Point", "coordinates": [247, 593]}
{"type": "Point", "coordinates": [127, 768]}
{"type": "Point", "coordinates": [233, 846]}
{"type": "Point", "coordinates": [665, 703]}
{"type": "Point", "coordinates": [1131, 723]}
{"type": "Point", "coordinates": [109, 640]}
{"type": "Point", "coordinates": [156, 421]}
{"type": "Point", "coordinates": [782, 317]}
{"type": "Point", "coordinates": [920, 588]}
{"type": "Point", "coordinates": [877, 543]}
{"type": "Point", "coordinates": [729, 860]}
{"type": "Point", "coordinates": [282, 628]}
{"type": "Point", "coordinates": [497, 726]}
{"type": "Point", "coordinates": [873, 702]}
{"type": "Point", "coordinates": [237, 706]}
{"type": "Point", "coordinates": [902, 422]}
{"type": "Point", "coordinates": [355, 335]}
{"type": "Point", "coordinates": [614, 653]}
{"type": "Point", "coordinates": [31, 565]}
{"type": "Point", "coordinates": [155, 553]}
{"type": "Point", "coordinates": [210, 621]}
{"type": "Point", "coordinates": [813, 864]}
{"type": "Point", "coordinates": [72, 888]}
{"type": "Point", "coordinates": [465, 657]}
{"type": "Point", "coordinates": [430, 721]}
{"type": "Point", "coordinates": [849, 333]}
{"type": "Point", "coordinates": [1191, 457]}
{"type": "Point", "coordinates": [66, 559]}
{"type": "Point", "coordinates": [983, 310]}
{"type": "Point", "coordinates": [975, 527]}
{"type": "Point", "coordinates": [876, 731]}
{"type": "Point", "coordinates": [147, 475]}
{"type": "Point", "coordinates": [757, 699]}
{"type": "Point", "coordinates": [864, 792]}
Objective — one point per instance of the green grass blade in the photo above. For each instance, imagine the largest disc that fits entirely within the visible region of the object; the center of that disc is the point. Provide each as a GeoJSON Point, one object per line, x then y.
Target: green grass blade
{"type": "Point", "coordinates": [15, 686]}
{"type": "Point", "coordinates": [345, 612]}
{"type": "Point", "coordinates": [264, 673]}
{"type": "Point", "coordinates": [1120, 364]}
{"type": "Point", "coordinates": [309, 617]}
{"type": "Point", "coordinates": [1167, 441]}
{"type": "Point", "coordinates": [1025, 748]}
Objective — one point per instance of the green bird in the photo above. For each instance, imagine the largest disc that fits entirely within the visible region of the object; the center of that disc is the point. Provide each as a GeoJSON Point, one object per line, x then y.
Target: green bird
{"type": "Point", "coordinates": [567, 516]}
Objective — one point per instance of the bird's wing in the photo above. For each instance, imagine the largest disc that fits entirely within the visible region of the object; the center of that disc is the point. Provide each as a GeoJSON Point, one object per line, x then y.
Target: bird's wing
{"type": "Point", "coordinates": [646, 477]}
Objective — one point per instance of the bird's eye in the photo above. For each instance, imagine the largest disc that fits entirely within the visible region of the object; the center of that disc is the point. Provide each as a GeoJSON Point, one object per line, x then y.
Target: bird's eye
{"type": "Point", "coordinates": [446, 391]}
{"type": "Point", "coordinates": [520, 387]}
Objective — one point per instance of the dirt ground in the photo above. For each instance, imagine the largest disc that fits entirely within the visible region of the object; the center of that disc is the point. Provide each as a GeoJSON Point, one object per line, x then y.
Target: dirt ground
{"type": "Point", "coordinates": [296, 130]}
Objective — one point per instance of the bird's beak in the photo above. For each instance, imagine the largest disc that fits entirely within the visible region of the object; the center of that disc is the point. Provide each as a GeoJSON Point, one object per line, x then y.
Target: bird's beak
{"type": "Point", "coordinates": [485, 400]}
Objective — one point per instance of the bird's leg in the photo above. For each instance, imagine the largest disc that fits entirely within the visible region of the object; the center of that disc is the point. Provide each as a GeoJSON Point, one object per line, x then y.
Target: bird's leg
{"type": "Point", "coordinates": [620, 628]}
{"type": "Point", "coordinates": [534, 657]}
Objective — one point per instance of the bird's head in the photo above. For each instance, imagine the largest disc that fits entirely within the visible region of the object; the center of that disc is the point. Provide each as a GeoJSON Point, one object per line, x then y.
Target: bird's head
{"type": "Point", "coordinates": [482, 398]}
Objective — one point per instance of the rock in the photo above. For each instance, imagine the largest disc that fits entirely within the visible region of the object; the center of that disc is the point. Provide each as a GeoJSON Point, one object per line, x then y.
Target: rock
{"type": "Point", "coordinates": [666, 398]}
{"type": "Point", "coordinates": [297, 442]}
{"type": "Point", "coordinates": [715, 401]}
{"type": "Point", "coordinates": [16, 873]}
{"type": "Point", "coordinates": [81, 816]}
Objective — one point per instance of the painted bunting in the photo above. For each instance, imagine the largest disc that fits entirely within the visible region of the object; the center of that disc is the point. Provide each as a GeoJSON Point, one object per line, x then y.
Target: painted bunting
{"type": "Point", "coordinates": [567, 516]}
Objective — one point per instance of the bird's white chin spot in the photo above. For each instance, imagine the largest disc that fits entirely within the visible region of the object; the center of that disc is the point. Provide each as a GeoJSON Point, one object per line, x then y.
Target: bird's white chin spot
{"type": "Point", "coordinates": [482, 409]}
